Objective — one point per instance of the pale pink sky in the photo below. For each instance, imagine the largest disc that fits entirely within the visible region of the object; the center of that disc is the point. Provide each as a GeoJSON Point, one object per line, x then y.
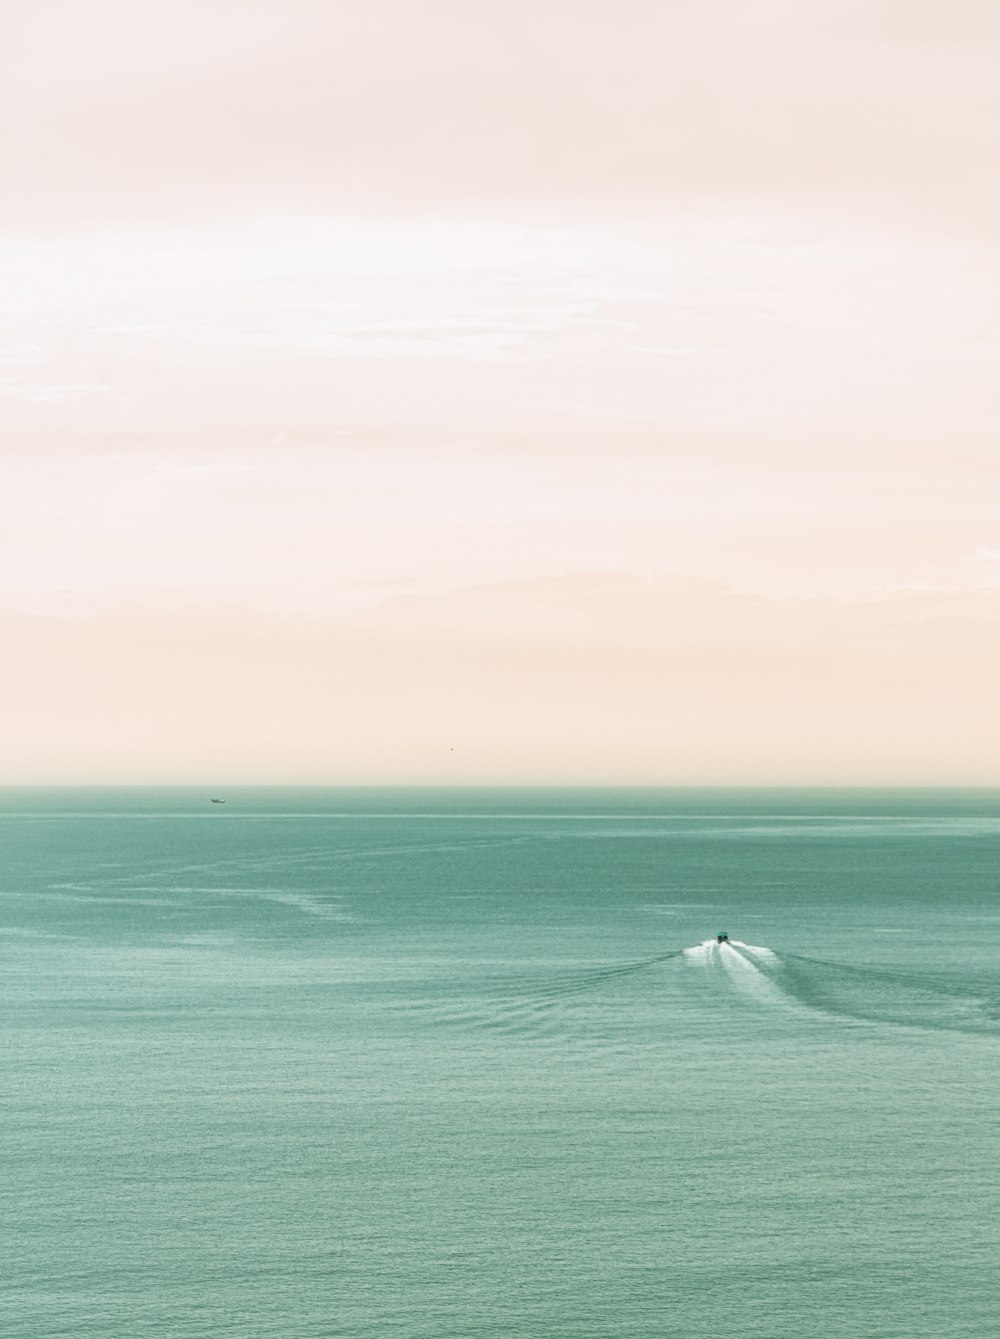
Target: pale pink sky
{"type": "Point", "coordinates": [406, 391]}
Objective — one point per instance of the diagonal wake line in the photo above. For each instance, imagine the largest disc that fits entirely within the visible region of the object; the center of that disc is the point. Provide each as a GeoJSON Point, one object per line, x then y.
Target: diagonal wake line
{"type": "Point", "coordinates": [577, 985]}
{"type": "Point", "coordinates": [533, 1008]}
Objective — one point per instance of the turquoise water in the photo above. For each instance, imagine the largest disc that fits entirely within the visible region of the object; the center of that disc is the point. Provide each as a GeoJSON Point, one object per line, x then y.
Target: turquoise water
{"type": "Point", "coordinates": [453, 1064]}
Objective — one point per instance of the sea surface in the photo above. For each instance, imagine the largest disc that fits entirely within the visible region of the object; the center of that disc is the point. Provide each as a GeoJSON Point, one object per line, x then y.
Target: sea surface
{"type": "Point", "coordinates": [471, 1065]}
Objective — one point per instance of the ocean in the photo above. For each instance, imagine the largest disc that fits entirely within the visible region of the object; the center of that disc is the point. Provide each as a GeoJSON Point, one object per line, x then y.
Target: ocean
{"type": "Point", "coordinates": [471, 1064]}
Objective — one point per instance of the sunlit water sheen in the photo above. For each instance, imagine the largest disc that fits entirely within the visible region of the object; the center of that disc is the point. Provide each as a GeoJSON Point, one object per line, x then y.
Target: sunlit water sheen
{"type": "Point", "coordinates": [451, 1065]}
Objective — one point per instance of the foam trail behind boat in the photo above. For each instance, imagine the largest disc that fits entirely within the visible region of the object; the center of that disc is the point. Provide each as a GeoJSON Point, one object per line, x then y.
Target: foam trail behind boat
{"type": "Point", "coordinates": [747, 975]}
{"type": "Point", "coordinates": [744, 966]}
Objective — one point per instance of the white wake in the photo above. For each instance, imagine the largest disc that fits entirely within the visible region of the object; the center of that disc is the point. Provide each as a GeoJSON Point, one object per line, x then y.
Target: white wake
{"type": "Point", "coordinates": [742, 964]}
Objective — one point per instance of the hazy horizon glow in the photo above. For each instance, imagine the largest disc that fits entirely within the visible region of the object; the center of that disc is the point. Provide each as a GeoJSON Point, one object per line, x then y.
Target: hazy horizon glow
{"type": "Point", "coordinates": [423, 393]}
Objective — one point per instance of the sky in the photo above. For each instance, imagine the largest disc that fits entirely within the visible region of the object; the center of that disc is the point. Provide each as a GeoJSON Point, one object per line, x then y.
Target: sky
{"type": "Point", "coordinates": [415, 391]}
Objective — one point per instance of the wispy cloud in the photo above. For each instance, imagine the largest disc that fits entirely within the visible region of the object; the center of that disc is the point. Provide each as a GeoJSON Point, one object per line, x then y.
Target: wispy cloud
{"type": "Point", "coordinates": [41, 392]}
